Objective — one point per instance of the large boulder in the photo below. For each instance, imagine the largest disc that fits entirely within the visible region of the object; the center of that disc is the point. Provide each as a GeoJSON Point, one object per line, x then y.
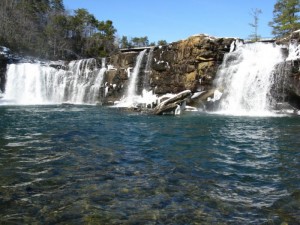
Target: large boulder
{"type": "Point", "coordinates": [172, 103]}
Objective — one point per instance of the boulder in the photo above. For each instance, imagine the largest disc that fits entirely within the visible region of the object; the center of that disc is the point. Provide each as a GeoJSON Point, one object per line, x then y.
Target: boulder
{"type": "Point", "coordinates": [172, 103]}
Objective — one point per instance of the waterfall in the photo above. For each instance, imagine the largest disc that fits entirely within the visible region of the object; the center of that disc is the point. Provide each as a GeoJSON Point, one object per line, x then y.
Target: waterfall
{"type": "Point", "coordinates": [131, 98]}
{"type": "Point", "coordinates": [246, 76]}
{"type": "Point", "coordinates": [34, 83]}
{"type": "Point", "coordinates": [146, 82]}
{"type": "Point", "coordinates": [131, 92]}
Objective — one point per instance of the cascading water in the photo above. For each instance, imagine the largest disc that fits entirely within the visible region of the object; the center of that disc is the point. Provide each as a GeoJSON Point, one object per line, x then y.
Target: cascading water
{"type": "Point", "coordinates": [29, 83]}
{"type": "Point", "coordinates": [147, 98]}
{"type": "Point", "coordinates": [146, 82]}
{"type": "Point", "coordinates": [131, 92]}
{"type": "Point", "coordinates": [246, 77]}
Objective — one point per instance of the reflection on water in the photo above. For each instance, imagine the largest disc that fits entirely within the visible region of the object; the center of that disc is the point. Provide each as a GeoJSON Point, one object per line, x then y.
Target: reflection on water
{"type": "Point", "coordinates": [91, 165]}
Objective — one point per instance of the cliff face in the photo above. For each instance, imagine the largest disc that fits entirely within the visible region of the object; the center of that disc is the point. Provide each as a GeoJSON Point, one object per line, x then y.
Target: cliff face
{"type": "Point", "coordinates": [3, 64]}
{"type": "Point", "coordinates": [116, 77]}
{"type": "Point", "coordinates": [288, 73]}
{"type": "Point", "coordinates": [189, 64]}
{"type": "Point", "coordinates": [184, 65]}
{"type": "Point", "coordinates": [293, 84]}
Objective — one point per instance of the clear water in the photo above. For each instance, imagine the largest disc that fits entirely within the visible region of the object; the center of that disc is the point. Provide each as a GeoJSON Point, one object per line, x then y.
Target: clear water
{"type": "Point", "coordinates": [92, 165]}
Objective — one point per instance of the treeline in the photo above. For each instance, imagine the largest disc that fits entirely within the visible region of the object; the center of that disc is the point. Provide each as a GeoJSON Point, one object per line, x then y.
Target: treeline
{"type": "Point", "coordinates": [44, 28]}
{"type": "Point", "coordinates": [124, 42]}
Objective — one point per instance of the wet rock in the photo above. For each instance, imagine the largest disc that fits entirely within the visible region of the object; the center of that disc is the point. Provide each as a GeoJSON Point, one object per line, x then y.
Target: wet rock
{"type": "Point", "coordinates": [188, 64]}
{"type": "Point", "coordinates": [172, 103]}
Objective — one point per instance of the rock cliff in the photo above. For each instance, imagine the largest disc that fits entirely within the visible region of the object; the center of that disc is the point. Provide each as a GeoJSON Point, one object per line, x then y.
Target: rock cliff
{"type": "Point", "coordinates": [288, 73]}
{"type": "Point", "coordinates": [3, 63]}
{"type": "Point", "coordinates": [189, 64]}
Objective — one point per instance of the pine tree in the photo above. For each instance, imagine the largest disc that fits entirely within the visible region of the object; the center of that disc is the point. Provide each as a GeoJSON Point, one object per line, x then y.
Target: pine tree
{"type": "Point", "coordinates": [285, 17]}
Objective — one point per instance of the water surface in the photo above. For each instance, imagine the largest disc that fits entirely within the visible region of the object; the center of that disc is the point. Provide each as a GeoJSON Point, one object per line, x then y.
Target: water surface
{"type": "Point", "coordinates": [94, 165]}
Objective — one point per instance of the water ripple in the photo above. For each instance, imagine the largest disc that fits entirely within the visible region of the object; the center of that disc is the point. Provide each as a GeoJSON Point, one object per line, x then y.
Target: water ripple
{"type": "Point", "coordinates": [83, 164]}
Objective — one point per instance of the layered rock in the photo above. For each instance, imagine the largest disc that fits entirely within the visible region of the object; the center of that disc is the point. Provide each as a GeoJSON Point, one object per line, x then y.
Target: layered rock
{"type": "Point", "coordinates": [3, 63]}
{"type": "Point", "coordinates": [287, 73]}
{"type": "Point", "coordinates": [4, 58]}
{"type": "Point", "coordinates": [188, 65]}
{"type": "Point", "coordinates": [116, 77]}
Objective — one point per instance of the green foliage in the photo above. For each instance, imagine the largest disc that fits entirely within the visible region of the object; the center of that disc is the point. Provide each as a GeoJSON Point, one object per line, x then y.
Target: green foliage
{"type": "Point", "coordinates": [140, 41]}
{"type": "Point", "coordinates": [135, 42]}
{"type": "Point", "coordinates": [124, 43]}
{"type": "Point", "coordinates": [162, 42]}
{"type": "Point", "coordinates": [43, 28]}
{"type": "Point", "coordinates": [285, 17]}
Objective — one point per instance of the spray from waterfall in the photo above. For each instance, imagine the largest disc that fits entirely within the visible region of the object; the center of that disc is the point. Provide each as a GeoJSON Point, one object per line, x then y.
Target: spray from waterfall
{"type": "Point", "coordinates": [246, 77]}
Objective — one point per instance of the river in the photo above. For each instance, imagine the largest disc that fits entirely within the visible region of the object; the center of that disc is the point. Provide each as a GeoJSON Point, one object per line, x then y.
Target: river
{"type": "Point", "coordinates": [76, 164]}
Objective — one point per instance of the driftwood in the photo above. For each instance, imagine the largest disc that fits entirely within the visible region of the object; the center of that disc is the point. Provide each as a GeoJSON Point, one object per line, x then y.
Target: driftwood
{"type": "Point", "coordinates": [172, 103]}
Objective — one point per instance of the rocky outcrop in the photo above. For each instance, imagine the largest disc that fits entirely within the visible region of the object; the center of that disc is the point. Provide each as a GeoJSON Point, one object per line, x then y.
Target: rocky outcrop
{"type": "Point", "coordinates": [4, 58]}
{"type": "Point", "coordinates": [287, 73]}
{"type": "Point", "coordinates": [288, 83]}
{"type": "Point", "coordinates": [116, 77]}
{"type": "Point", "coordinates": [172, 103]}
{"type": "Point", "coordinates": [188, 64]}
{"type": "Point", "coordinates": [3, 63]}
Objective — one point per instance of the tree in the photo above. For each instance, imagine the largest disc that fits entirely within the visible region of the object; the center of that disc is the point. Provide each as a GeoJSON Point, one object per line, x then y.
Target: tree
{"type": "Point", "coordinates": [140, 41]}
{"type": "Point", "coordinates": [285, 17]}
{"type": "Point", "coordinates": [124, 43]}
{"type": "Point", "coordinates": [43, 28]}
{"type": "Point", "coordinates": [57, 5]}
{"type": "Point", "coordinates": [255, 13]}
{"type": "Point", "coordinates": [56, 32]}
{"type": "Point", "coordinates": [162, 42]}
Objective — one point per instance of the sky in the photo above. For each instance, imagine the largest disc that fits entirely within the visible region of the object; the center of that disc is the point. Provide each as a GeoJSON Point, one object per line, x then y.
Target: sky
{"type": "Point", "coordinates": [174, 20]}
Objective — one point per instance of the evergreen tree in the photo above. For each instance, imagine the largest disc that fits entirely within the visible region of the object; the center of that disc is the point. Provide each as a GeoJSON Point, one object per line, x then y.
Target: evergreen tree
{"type": "Point", "coordinates": [43, 28]}
{"type": "Point", "coordinates": [162, 42]}
{"type": "Point", "coordinates": [285, 17]}
{"type": "Point", "coordinates": [124, 43]}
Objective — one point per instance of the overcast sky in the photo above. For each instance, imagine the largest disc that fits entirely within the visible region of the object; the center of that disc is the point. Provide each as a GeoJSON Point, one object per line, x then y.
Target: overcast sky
{"type": "Point", "coordinates": [173, 20]}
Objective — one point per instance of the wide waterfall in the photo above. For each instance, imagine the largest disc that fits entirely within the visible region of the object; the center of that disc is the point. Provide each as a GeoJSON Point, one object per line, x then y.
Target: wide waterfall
{"type": "Point", "coordinates": [36, 83]}
{"type": "Point", "coordinates": [246, 77]}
